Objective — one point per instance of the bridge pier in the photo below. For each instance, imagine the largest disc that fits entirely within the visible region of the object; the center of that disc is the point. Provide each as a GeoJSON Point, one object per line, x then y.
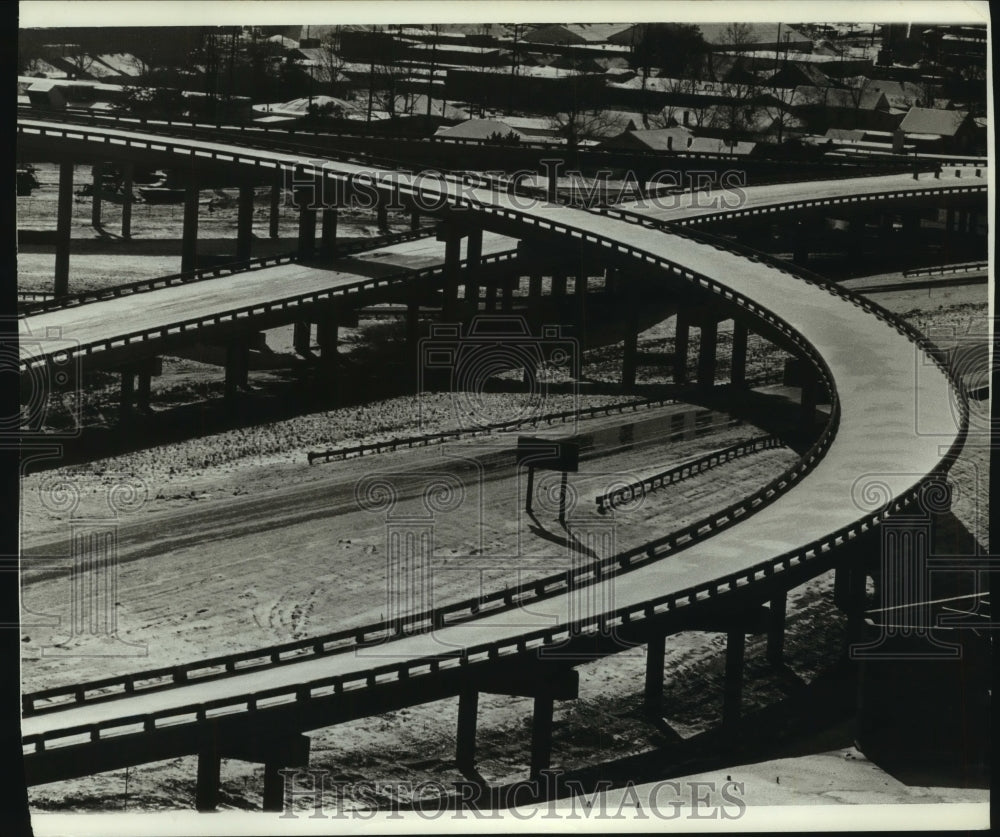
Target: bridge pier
{"type": "Point", "coordinates": [507, 302]}
{"type": "Point", "coordinates": [465, 744]}
{"type": "Point", "coordinates": [630, 348]}
{"type": "Point", "coordinates": [127, 395]}
{"type": "Point", "coordinates": [490, 304]}
{"type": "Point", "coordinates": [237, 367]}
{"type": "Point", "coordinates": [382, 216]}
{"type": "Point", "coordinates": [732, 701]}
{"type": "Point", "coordinates": [558, 283]}
{"type": "Point", "coordinates": [580, 290]}
{"type": "Point", "coordinates": [189, 234]}
{"type": "Point", "coordinates": [653, 693]}
{"type": "Point", "coordinates": [64, 224]}
{"type": "Point", "coordinates": [682, 333]}
{"type": "Point", "coordinates": [414, 221]}
{"type": "Point", "coordinates": [452, 236]}
{"type": "Point", "coordinates": [307, 222]}
{"type": "Point", "coordinates": [541, 736]}
{"type": "Point", "coordinates": [706, 353]}
{"type": "Point", "coordinates": [97, 180]}
{"type": "Point", "coordinates": [302, 337]}
{"type": "Point", "coordinates": [545, 683]}
{"type": "Point", "coordinates": [738, 367]}
{"type": "Point", "coordinates": [206, 795]}
{"type": "Point", "coordinates": [776, 628]}
{"type": "Point", "coordinates": [328, 234]}
{"type": "Point", "coordinates": [474, 258]}
{"type": "Point", "coordinates": [808, 400]}
{"type": "Point", "coordinates": [128, 183]}
{"type": "Point", "coordinates": [244, 224]}
{"type": "Point", "coordinates": [274, 209]}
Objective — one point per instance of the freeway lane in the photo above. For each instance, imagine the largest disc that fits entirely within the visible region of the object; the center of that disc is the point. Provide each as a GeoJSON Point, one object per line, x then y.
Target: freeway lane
{"type": "Point", "coordinates": [894, 427]}
{"type": "Point", "coordinates": [896, 424]}
{"type": "Point", "coordinates": [105, 320]}
{"type": "Point", "coordinates": [688, 205]}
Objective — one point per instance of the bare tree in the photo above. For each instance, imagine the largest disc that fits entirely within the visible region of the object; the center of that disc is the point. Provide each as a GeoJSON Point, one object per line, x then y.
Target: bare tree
{"type": "Point", "coordinates": [331, 60]}
{"type": "Point", "coordinates": [739, 108]}
{"type": "Point", "coordinates": [81, 62]}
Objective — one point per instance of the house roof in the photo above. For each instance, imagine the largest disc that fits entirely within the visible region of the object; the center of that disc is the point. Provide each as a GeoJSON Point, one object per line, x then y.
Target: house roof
{"type": "Point", "coordinates": [838, 97]}
{"type": "Point", "coordinates": [479, 129]}
{"type": "Point", "coordinates": [945, 123]}
{"type": "Point", "coordinates": [760, 33]}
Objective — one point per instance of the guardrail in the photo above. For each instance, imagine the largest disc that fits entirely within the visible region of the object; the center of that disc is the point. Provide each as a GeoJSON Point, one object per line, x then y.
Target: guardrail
{"type": "Point", "coordinates": [341, 454]}
{"type": "Point", "coordinates": [640, 488]}
{"type": "Point", "coordinates": [814, 551]}
{"type": "Point", "coordinates": [50, 302]}
{"type": "Point", "coordinates": [35, 295]}
{"type": "Point", "coordinates": [967, 267]}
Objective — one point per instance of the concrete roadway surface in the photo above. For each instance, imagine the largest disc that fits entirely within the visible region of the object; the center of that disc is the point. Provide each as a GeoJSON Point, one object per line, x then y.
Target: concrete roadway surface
{"type": "Point", "coordinates": [897, 421]}
{"type": "Point", "coordinates": [94, 322]}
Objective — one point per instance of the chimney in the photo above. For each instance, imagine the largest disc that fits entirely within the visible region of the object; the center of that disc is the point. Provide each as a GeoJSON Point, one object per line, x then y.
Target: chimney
{"type": "Point", "coordinates": [670, 143]}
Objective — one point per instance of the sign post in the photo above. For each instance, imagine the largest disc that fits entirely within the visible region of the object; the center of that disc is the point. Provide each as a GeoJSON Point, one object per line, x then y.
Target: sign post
{"type": "Point", "coordinates": [550, 455]}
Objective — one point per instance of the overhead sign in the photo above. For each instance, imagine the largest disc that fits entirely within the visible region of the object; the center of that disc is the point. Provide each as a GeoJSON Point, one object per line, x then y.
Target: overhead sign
{"type": "Point", "coordinates": [548, 454]}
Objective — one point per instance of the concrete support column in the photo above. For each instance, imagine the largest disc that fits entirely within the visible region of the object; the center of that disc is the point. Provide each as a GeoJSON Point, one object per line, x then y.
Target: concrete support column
{"type": "Point", "coordinates": [800, 248]}
{"type": "Point", "coordinates": [274, 787]}
{"type": "Point", "coordinates": [97, 179]}
{"type": "Point", "coordinates": [490, 304]}
{"type": "Point", "coordinates": [414, 221]}
{"type": "Point", "coordinates": [507, 303]}
{"type": "Point", "coordinates": [541, 736]}
{"type": "Point", "coordinates": [302, 337]}
{"type": "Point", "coordinates": [307, 223]}
{"type": "Point", "coordinates": [706, 354]}
{"type": "Point", "coordinates": [207, 787]}
{"type": "Point", "coordinates": [732, 702]}
{"type": "Point", "coordinates": [630, 347]}
{"type": "Point", "coordinates": [655, 650]}
{"type": "Point", "coordinates": [328, 235]}
{"type": "Point", "coordinates": [244, 224]}
{"type": "Point", "coordinates": [535, 299]}
{"type": "Point", "coordinates": [64, 223]}
{"type": "Point", "coordinates": [857, 583]}
{"type": "Point", "coordinates": [142, 393]}
{"type": "Point", "coordinates": [327, 333]}
{"type": "Point", "coordinates": [413, 324]}
{"type": "Point", "coordinates": [580, 291]}
{"type": "Point", "coordinates": [776, 628]}
{"type": "Point", "coordinates": [810, 389]}
{"type": "Point", "coordinates": [610, 280]}
{"type": "Point", "coordinates": [237, 358]}
{"type": "Point", "coordinates": [465, 745]}
{"type": "Point", "coordinates": [452, 257]}
{"type": "Point", "coordinates": [382, 216]}
{"type": "Point", "coordinates": [127, 393]}
{"type": "Point", "coordinates": [473, 257]}
{"type": "Point", "coordinates": [189, 234]}
{"type": "Point", "coordinates": [682, 332]}
{"type": "Point", "coordinates": [274, 211]}
{"type": "Point", "coordinates": [558, 283]}
{"type": "Point", "coordinates": [128, 183]}
{"type": "Point", "coordinates": [738, 374]}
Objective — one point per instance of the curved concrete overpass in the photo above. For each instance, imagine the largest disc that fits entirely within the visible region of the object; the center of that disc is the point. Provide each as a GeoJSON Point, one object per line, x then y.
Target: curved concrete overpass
{"type": "Point", "coordinates": [893, 426]}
